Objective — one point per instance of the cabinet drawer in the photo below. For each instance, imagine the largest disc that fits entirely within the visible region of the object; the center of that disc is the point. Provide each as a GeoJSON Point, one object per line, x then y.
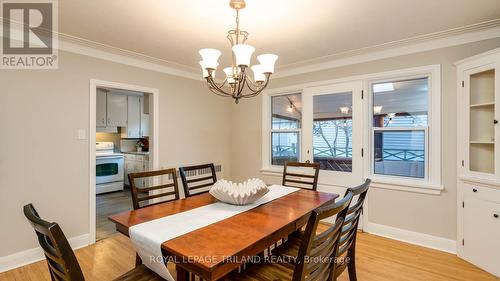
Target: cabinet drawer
{"type": "Point", "coordinates": [480, 192]}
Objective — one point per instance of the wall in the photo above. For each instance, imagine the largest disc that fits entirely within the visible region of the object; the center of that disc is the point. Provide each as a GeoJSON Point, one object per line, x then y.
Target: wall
{"type": "Point", "coordinates": [42, 161]}
{"type": "Point", "coordinates": [429, 214]}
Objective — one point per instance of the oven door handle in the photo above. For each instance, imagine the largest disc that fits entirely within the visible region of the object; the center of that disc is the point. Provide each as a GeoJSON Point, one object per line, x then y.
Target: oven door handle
{"type": "Point", "coordinates": [109, 157]}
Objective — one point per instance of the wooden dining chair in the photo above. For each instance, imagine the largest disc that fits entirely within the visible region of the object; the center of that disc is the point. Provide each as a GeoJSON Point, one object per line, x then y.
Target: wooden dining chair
{"type": "Point", "coordinates": [61, 259]}
{"type": "Point", "coordinates": [315, 251]}
{"type": "Point", "coordinates": [347, 244]}
{"type": "Point", "coordinates": [301, 180]}
{"type": "Point", "coordinates": [194, 180]}
{"type": "Point", "coordinates": [144, 191]}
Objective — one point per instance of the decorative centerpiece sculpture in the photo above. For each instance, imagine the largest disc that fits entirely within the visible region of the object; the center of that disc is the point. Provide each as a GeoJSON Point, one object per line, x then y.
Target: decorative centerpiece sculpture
{"type": "Point", "coordinates": [239, 193]}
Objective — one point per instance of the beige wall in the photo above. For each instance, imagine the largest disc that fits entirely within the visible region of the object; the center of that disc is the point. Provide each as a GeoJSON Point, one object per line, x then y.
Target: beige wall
{"type": "Point", "coordinates": [430, 214]}
{"type": "Point", "coordinates": [43, 162]}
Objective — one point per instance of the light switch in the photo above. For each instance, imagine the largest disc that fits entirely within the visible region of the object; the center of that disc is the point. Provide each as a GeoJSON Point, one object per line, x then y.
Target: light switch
{"type": "Point", "coordinates": [82, 134]}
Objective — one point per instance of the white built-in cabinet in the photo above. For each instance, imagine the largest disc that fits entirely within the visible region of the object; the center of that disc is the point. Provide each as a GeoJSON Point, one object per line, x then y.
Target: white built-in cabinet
{"type": "Point", "coordinates": [128, 111]}
{"type": "Point", "coordinates": [138, 120]}
{"type": "Point", "coordinates": [133, 129]}
{"type": "Point", "coordinates": [117, 110]}
{"type": "Point", "coordinates": [478, 161]}
{"type": "Point", "coordinates": [101, 112]}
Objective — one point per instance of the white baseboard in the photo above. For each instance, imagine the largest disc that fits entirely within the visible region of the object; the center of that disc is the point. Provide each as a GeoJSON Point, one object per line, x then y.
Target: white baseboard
{"type": "Point", "coordinates": [36, 254]}
{"type": "Point", "coordinates": [416, 238]}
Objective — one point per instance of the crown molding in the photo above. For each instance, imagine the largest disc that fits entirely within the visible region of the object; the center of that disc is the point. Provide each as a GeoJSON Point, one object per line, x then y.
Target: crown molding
{"type": "Point", "coordinates": [438, 40]}
{"type": "Point", "coordinates": [89, 48]}
{"type": "Point", "coordinates": [76, 45]}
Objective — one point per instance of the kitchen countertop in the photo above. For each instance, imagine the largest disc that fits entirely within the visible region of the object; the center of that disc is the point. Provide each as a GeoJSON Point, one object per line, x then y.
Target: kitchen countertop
{"type": "Point", "coordinates": [137, 153]}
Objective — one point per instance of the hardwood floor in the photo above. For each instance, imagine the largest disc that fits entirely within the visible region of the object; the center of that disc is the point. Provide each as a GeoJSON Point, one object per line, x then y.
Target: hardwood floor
{"type": "Point", "coordinates": [378, 259]}
{"type": "Point", "coordinates": [109, 204]}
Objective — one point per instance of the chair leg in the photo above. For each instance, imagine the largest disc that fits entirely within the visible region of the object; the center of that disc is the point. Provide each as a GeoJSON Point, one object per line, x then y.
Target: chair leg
{"type": "Point", "coordinates": [138, 260]}
{"type": "Point", "coordinates": [351, 266]}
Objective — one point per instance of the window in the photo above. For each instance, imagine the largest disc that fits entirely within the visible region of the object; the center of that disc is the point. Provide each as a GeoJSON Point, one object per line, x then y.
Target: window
{"type": "Point", "coordinates": [332, 131]}
{"type": "Point", "coordinates": [385, 126]}
{"type": "Point", "coordinates": [400, 127]}
{"type": "Point", "coordinates": [285, 128]}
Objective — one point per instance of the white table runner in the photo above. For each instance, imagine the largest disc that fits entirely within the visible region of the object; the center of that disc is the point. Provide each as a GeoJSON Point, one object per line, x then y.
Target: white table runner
{"type": "Point", "coordinates": [147, 237]}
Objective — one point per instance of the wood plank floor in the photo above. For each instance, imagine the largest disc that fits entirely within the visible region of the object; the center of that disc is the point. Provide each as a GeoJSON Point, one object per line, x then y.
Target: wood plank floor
{"type": "Point", "coordinates": [377, 259]}
{"type": "Point", "coordinates": [109, 204]}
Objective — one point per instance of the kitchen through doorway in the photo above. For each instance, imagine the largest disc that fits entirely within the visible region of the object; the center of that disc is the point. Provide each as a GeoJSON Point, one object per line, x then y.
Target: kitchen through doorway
{"type": "Point", "coordinates": [124, 128]}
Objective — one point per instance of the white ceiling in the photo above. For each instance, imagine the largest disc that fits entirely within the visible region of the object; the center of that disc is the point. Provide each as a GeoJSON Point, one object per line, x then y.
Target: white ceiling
{"type": "Point", "coordinates": [296, 30]}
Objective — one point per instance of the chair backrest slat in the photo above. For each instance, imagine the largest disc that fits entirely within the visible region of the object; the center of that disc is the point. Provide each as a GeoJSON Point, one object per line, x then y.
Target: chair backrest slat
{"type": "Point", "coordinates": [350, 226]}
{"type": "Point", "coordinates": [61, 259]}
{"type": "Point", "coordinates": [142, 194]}
{"type": "Point", "coordinates": [192, 182]}
{"type": "Point", "coordinates": [301, 178]}
{"type": "Point", "coordinates": [317, 251]}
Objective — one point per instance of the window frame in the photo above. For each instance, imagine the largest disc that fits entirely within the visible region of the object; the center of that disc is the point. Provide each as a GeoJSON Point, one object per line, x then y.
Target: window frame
{"type": "Point", "coordinates": [268, 131]}
{"type": "Point", "coordinates": [431, 183]}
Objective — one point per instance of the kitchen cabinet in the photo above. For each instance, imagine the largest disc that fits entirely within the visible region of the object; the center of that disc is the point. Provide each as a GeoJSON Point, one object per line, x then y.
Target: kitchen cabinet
{"type": "Point", "coordinates": [116, 110]}
{"type": "Point", "coordinates": [138, 120]}
{"type": "Point", "coordinates": [135, 163]}
{"type": "Point", "coordinates": [478, 221]}
{"type": "Point", "coordinates": [133, 129]}
{"type": "Point", "coordinates": [101, 115]}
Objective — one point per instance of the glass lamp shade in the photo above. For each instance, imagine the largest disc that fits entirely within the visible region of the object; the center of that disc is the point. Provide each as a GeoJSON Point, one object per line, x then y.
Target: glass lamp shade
{"type": "Point", "coordinates": [243, 54]}
{"type": "Point", "coordinates": [229, 74]}
{"type": "Point", "coordinates": [267, 61]}
{"type": "Point", "coordinates": [210, 57]}
{"type": "Point", "coordinates": [258, 73]}
{"type": "Point", "coordinates": [204, 67]}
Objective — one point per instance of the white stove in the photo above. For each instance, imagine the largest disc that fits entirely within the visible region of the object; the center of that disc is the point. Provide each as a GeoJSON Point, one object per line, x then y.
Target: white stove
{"type": "Point", "coordinates": [109, 168]}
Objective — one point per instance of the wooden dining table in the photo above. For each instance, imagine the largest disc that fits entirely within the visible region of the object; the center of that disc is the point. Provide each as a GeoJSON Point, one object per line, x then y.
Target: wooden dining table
{"type": "Point", "coordinates": [216, 250]}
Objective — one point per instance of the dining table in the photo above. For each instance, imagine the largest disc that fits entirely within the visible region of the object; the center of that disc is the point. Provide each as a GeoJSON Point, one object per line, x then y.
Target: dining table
{"type": "Point", "coordinates": [216, 250]}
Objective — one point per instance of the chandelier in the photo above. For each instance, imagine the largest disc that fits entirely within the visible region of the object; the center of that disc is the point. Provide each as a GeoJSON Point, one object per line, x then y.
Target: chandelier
{"type": "Point", "coordinates": [237, 83]}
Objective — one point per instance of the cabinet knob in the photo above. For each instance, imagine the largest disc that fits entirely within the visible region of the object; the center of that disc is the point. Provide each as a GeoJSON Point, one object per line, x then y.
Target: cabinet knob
{"type": "Point", "coordinates": [495, 216]}
{"type": "Point", "coordinates": [474, 190]}
{"type": "Point", "coordinates": [495, 121]}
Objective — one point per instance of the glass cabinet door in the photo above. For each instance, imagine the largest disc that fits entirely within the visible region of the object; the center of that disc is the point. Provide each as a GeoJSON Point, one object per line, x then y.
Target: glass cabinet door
{"type": "Point", "coordinates": [482, 120]}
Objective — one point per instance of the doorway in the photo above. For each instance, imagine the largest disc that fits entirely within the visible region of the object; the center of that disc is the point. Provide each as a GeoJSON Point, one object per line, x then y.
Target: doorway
{"type": "Point", "coordinates": [332, 126]}
{"type": "Point", "coordinates": [123, 129]}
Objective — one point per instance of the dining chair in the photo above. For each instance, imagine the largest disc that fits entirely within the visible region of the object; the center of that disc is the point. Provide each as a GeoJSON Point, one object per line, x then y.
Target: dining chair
{"type": "Point", "coordinates": [347, 244]}
{"type": "Point", "coordinates": [194, 180]}
{"type": "Point", "coordinates": [295, 179]}
{"type": "Point", "coordinates": [314, 253]}
{"type": "Point", "coordinates": [144, 190]}
{"type": "Point", "coordinates": [61, 259]}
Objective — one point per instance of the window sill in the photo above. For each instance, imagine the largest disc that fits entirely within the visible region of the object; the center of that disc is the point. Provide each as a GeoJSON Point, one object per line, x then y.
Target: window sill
{"type": "Point", "coordinates": [272, 171]}
{"type": "Point", "coordinates": [415, 186]}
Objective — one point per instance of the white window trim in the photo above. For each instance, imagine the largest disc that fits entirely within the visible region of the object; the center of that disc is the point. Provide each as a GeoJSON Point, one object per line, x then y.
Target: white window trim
{"type": "Point", "coordinates": [267, 131]}
{"type": "Point", "coordinates": [432, 181]}
{"type": "Point", "coordinates": [431, 184]}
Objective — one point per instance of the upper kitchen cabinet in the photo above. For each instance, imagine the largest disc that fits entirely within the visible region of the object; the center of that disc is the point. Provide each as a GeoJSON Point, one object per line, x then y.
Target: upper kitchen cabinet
{"type": "Point", "coordinates": [117, 110]}
{"type": "Point", "coordinates": [101, 115]}
{"type": "Point", "coordinates": [145, 116]}
{"type": "Point", "coordinates": [133, 129]}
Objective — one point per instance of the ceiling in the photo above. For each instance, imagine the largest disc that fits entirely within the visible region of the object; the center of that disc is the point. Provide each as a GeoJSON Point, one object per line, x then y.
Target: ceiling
{"type": "Point", "coordinates": [296, 30]}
